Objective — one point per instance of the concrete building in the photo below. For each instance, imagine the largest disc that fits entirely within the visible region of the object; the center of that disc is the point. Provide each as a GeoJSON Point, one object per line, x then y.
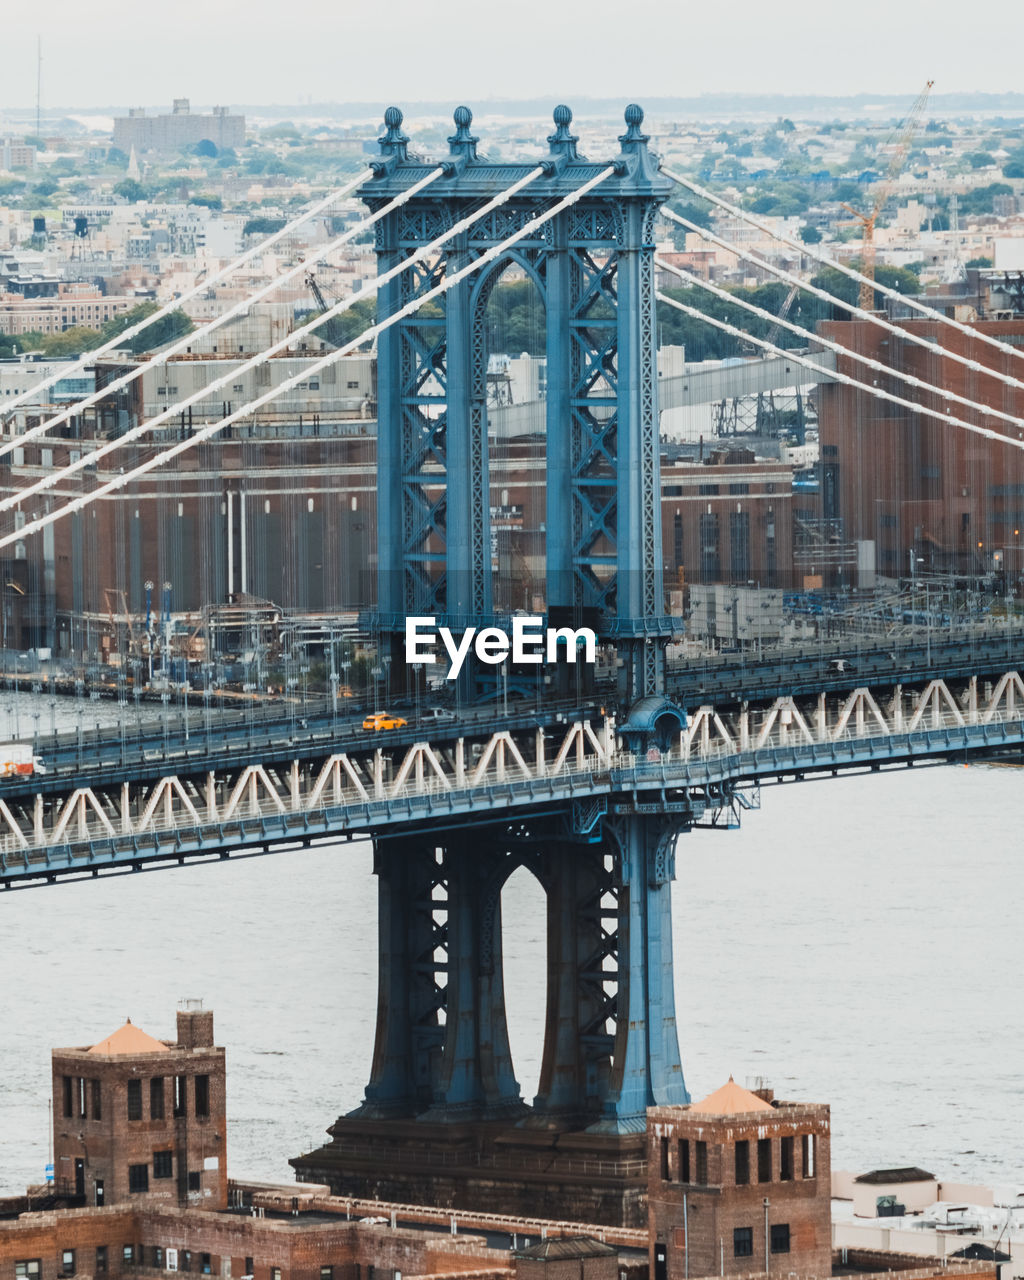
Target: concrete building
{"type": "Point", "coordinates": [739, 1184]}
{"type": "Point", "coordinates": [141, 1120]}
{"type": "Point", "coordinates": [178, 130]}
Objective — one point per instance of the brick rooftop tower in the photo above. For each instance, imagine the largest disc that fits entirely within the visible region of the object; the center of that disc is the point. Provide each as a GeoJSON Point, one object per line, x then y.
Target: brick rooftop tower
{"type": "Point", "coordinates": [739, 1184]}
{"type": "Point", "coordinates": [139, 1119]}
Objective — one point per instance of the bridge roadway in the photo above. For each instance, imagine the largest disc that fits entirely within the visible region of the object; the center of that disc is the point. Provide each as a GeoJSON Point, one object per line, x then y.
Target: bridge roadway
{"type": "Point", "coordinates": [274, 788]}
{"type": "Point", "coordinates": [265, 733]}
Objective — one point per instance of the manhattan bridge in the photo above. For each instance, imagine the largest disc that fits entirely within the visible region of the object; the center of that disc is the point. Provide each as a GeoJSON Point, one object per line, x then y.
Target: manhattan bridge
{"type": "Point", "coordinates": [588, 786]}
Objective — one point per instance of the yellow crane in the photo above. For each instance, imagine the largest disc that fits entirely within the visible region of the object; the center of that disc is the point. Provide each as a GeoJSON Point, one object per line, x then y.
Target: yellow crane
{"type": "Point", "coordinates": [900, 143]}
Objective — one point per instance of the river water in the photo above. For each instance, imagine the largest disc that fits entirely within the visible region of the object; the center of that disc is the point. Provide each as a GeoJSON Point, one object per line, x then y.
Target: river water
{"type": "Point", "coordinates": [858, 942]}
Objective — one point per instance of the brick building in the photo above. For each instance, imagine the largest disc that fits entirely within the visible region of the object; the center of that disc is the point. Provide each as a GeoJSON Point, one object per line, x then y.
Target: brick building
{"type": "Point", "coordinates": [141, 1120]}
{"type": "Point", "coordinates": [739, 1184]}
{"type": "Point", "coordinates": [73, 306]}
{"type": "Point", "coordinates": [912, 484]}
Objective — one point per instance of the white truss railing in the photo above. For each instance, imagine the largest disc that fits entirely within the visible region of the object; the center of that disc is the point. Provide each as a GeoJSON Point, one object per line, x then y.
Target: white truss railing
{"type": "Point", "coordinates": [587, 757]}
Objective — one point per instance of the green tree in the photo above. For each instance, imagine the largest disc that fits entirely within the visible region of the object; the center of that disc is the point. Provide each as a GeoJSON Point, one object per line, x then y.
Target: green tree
{"type": "Point", "coordinates": [980, 159]}
{"type": "Point", "coordinates": [45, 188]}
{"type": "Point", "coordinates": [169, 327]}
{"type": "Point", "coordinates": [979, 262]}
{"type": "Point", "coordinates": [262, 226]}
{"type": "Point", "coordinates": [130, 190]}
{"type": "Point", "coordinates": [116, 156]}
{"type": "Point", "coordinates": [205, 148]}
{"type": "Point", "coordinates": [207, 201]}
{"type": "Point", "coordinates": [810, 235]}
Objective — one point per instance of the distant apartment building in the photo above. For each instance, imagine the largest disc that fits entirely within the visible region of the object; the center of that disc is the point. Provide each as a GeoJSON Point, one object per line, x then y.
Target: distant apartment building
{"type": "Point", "coordinates": [72, 306]}
{"type": "Point", "coordinates": [16, 155]}
{"type": "Point", "coordinates": [179, 129]}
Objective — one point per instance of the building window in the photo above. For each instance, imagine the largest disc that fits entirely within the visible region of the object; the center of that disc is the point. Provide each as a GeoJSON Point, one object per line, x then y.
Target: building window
{"type": "Point", "coordinates": [248, 1266]}
{"type": "Point", "coordinates": [172, 1259]}
{"type": "Point", "coordinates": [780, 1237]}
{"type": "Point", "coordinates": [807, 1144]}
{"type": "Point", "coordinates": [180, 1094]}
{"type": "Point", "coordinates": [275, 1273]}
{"type": "Point", "coordinates": [156, 1098]}
{"type": "Point", "coordinates": [743, 1242]}
{"type": "Point", "coordinates": [163, 1164]}
{"type": "Point", "coordinates": [202, 1095]}
{"type": "Point", "coordinates": [30, 1268]}
{"type": "Point", "coordinates": [194, 1180]}
{"type": "Point", "coordinates": [664, 1159]}
{"type": "Point", "coordinates": [326, 1273]}
{"type": "Point", "coordinates": [786, 1160]}
{"type": "Point", "coordinates": [739, 545]}
{"type": "Point", "coordinates": [739, 489]}
{"type": "Point", "coordinates": [134, 1099]}
{"type": "Point", "coordinates": [702, 1164]}
{"type": "Point", "coordinates": [707, 490]}
{"type": "Point", "coordinates": [68, 1094]}
{"type": "Point", "coordinates": [684, 1160]}
{"type": "Point", "coordinates": [185, 1260]}
{"type": "Point", "coordinates": [158, 1256]}
{"type": "Point", "coordinates": [97, 1100]}
{"type": "Point", "coordinates": [128, 1254]}
{"type": "Point", "coordinates": [101, 1259]}
{"type": "Point", "coordinates": [67, 1262]}
{"type": "Point", "coordinates": [204, 1261]}
{"type": "Point", "coordinates": [138, 1177]}
{"type": "Point", "coordinates": [742, 1163]}
{"type": "Point", "coordinates": [764, 1159]}
{"type": "Point", "coordinates": [710, 561]}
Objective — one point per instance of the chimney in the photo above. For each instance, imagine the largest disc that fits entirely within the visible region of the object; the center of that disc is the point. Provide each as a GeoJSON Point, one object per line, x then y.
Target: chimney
{"type": "Point", "coordinates": [195, 1025]}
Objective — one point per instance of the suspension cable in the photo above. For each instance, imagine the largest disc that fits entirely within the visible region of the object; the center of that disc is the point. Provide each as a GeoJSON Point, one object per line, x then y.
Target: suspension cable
{"type": "Point", "coordinates": [876, 365]}
{"type": "Point", "coordinates": [754, 221]}
{"type": "Point", "coordinates": [907, 335]}
{"type": "Point", "coordinates": [206, 283]}
{"type": "Point", "coordinates": [214, 428]}
{"type": "Point", "coordinates": [843, 378]}
{"type": "Point", "coordinates": [144, 428]}
{"type": "Point", "coordinates": [161, 357]}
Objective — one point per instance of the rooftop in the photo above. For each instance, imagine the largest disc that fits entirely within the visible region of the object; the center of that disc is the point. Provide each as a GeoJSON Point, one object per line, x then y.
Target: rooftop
{"type": "Point", "coordinates": [126, 1040]}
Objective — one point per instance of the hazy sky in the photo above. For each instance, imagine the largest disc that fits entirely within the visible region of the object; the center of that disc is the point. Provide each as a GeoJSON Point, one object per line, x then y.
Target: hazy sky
{"type": "Point", "coordinates": [98, 52]}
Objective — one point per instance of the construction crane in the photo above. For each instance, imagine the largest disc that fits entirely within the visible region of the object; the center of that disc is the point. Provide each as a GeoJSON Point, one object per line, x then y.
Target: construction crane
{"type": "Point", "coordinates": [331, 333]}
{"type": "Point", "coordinates": [900, 142]}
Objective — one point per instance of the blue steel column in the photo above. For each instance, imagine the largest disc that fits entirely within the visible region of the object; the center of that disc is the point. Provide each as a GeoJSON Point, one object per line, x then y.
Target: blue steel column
{"type": "Point", "coordinates": [646, 1069]}
{"type": "Point", "coordinates": [390, 552]}
{"type": "Point", "coordinates": [640, 596]}
{"type": "Point", "coordinates": [558, 414]}
{"type": "Point", "coordinates": [467, 510]}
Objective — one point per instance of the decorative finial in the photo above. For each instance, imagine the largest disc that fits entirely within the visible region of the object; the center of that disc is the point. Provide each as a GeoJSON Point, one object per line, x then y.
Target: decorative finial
{"type": "Point", "coordinates": [634, 119]}
{"type": "Point", "coordinates": [462, 142]}
{"type": "Point", "coordinates": [562, 142]}
{"type": "Point", "coordinates": [394, 142]}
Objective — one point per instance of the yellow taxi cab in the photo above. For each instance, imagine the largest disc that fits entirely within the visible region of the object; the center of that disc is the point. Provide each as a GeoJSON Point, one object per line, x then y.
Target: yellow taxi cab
{"type": "Point", "coordinates": [384, 720]}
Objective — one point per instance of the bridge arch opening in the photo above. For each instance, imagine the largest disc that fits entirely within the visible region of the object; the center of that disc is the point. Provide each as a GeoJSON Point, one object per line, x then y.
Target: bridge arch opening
{"type": "Point", "coordinates": [511, 346]}
{"type": "Point", "coordinates": [524, 932]}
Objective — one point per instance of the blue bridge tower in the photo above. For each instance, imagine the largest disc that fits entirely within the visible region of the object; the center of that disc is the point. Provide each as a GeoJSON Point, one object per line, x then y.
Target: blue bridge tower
{"type": "Point", "coordinates": [442, 1081]}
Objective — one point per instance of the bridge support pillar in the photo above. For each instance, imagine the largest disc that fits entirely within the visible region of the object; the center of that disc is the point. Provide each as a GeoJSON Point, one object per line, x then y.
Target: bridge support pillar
{"type": "Point", "coordinates": [646, 1067]}
{"type": "Point", "coordinates": [411, 929]}
{"type": "Point", "coordinates": [476, 1079]}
